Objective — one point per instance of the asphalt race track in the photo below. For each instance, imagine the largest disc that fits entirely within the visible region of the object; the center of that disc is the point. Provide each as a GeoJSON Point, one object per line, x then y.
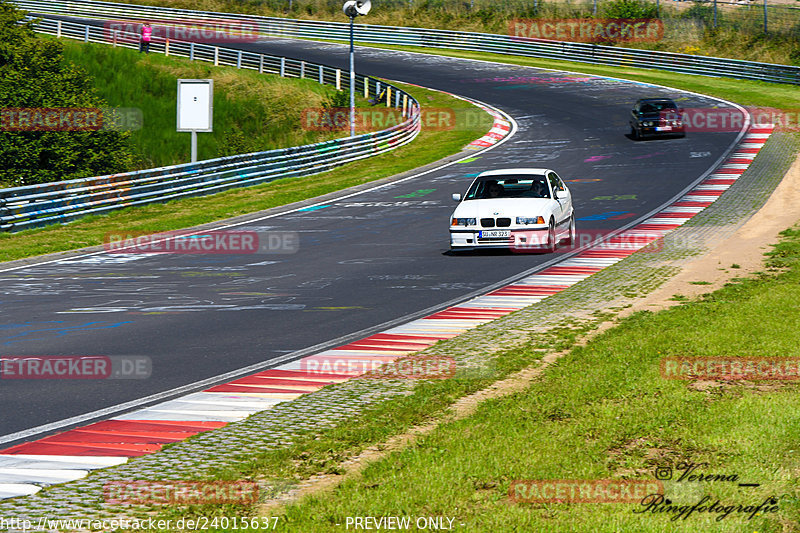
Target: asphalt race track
{"type": "Point", "coordinates": [362, 261]}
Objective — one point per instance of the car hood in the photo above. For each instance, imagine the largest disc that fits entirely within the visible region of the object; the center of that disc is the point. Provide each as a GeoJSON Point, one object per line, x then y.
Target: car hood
{"type": "Point", "coordinates": [504, 207]}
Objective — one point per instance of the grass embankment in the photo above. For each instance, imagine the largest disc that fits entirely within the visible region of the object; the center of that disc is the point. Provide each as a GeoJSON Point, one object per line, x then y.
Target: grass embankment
{"type": "Point", "coordinates": [604, 411]}
{"type": "Point", "coordinates": [688, 26]}
{"type": "Point", "coordinates": [429, 146]}
{"type": "Point", "coordinates": [252, 112]}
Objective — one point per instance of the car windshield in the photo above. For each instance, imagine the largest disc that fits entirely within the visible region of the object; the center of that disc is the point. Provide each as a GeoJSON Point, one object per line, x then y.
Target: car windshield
{"type": "Point", "coordinates": [526, 186]}
{"type": "Point", "coordinates": [656, 107]}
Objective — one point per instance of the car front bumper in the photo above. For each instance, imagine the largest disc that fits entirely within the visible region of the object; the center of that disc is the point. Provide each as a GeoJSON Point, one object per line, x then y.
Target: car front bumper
{"type": "Point", "coordinates": [533, 238]}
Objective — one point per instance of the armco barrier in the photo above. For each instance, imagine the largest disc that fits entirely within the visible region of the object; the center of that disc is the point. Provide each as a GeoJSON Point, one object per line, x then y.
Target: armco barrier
{"type": "Point", "coordinates": [34, 206]}
{"type": "Point", "coordinates": [468, 41]}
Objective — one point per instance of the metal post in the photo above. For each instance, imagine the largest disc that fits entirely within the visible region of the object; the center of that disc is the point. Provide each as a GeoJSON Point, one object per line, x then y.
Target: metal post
{"type": "Point", "coordinates": [283, 66]}
{"type": "Point", "coordinates": [239, 59]}
{"type": "Point", "coordinates": [321, 75]}
{"type": "Point", "coordinates": [302, 69]}
{"type": "Point", "coordinates": [594, 8]}
{"type": "Point", "coordinates": [166, 47]}
{"type": "Point", "coordinates": [352, 82]}
{"type": "Point", "coordinates": [715, 13]}
{"type": "Point", "coordinates": [765, 16]}
{"type": "Point", "coordinates": [191, 51]}
{"type": "Point", "coordinates": [366, 87]}
{"type": "Point", "coordinates": [216, 56]}
{"type": "Point", "coordinates": [115, 38]}
{"type": "Point", "coordinates": [261, 64]}
{"type": "Point", "coordinates": [86, 34]}
{"type": "Point", "coordinates": [338, 79]}
{"type": "Point", "coordinates": [194, 146]}
{"type": "Point", "coordinates": [58, 29]}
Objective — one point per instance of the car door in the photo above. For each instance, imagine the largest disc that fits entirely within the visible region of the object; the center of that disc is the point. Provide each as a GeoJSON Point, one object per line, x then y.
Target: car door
{"type": "Point", "coordinates": [564, 198]}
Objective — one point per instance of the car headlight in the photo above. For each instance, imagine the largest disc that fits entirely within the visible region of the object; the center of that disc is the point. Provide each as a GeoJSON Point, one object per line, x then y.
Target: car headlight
{"type": "Point", "coordinates": [647, 123]}
{"type": "Point", "coordinates": [530, 220]}
{"type": "Point", "coordinates": [464, 222]}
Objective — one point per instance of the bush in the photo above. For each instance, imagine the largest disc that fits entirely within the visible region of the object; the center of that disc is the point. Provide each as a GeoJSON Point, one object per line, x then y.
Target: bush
{"type": "Point", "coordinates": [701, 12]}
{"type": "Point", "coordinates": [33, 74]}
{"type": "Point", "coordinates": [629, 9]}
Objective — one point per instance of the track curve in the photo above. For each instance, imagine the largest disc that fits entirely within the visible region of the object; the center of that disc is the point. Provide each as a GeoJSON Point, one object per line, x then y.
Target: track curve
{"type": "Point", "coordinates": [372, 258]}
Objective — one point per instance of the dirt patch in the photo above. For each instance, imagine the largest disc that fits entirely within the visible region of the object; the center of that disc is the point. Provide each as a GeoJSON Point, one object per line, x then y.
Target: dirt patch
{"type": "Point", "coordinates": [745, 249]}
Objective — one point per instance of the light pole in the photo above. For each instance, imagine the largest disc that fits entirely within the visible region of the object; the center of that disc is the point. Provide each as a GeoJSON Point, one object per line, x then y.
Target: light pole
{"type": "Point", "coordinates": [354, 8]}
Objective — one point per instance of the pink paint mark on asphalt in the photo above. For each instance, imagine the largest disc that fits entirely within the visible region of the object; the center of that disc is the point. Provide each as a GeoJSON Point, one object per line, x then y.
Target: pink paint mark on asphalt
{"type": "Point", "coordinates": [649, 155]}
{"type": "Point", "coordinates": [596, 158]}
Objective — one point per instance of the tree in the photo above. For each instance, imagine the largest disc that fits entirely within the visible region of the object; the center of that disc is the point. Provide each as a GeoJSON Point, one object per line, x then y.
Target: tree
{"type": "Point", "coordinates": [34, 75]}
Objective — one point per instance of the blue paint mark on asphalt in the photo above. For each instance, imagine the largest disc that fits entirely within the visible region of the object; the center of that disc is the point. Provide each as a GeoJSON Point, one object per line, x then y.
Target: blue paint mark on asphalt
{"type": "Point", "coordinates": [603, 216]}
{"type": "Point", "coordinates": [313, 208]}
{"type": "Point", "coordinates": [58, 331]}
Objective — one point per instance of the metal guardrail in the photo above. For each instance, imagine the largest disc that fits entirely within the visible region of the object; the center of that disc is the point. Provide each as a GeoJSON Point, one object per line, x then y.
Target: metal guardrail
{"type": "Point", "coordinates": [431, 38]}
{"type": "Point", "coordinates": [34, 206]}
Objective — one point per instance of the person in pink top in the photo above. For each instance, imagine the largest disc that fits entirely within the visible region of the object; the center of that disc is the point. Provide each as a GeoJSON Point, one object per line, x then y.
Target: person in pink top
{"type": "Point", "coordinates": [147, 35]}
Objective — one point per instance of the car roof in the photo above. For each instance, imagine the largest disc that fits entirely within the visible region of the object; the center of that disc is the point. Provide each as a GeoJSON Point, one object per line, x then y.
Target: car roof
{"type": "Point", "coordinates": [514, 171]}
{"type": "Point", "coordinates": [655, 100]}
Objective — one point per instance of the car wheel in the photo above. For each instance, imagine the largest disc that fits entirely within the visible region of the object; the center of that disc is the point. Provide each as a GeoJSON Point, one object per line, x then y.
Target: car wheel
{"type": "Point", "coordinates": [551, 238]}
{"type": "Point", "coordinates": [572, 231]}
{"type": "Point", "coordinates": [635, 134]}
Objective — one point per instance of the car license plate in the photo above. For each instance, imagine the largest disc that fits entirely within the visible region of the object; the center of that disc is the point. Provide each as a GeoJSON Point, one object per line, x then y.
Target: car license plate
{"type": "Point", "coordinates": [664, 128]}
{"type": "Point", "coordinates": [486, 234]}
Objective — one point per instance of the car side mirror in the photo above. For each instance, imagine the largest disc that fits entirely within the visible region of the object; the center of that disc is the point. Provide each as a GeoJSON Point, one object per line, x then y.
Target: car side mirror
{"type": "Point", "coordinates": [558, 194]}
{"type": "Point", "coordinates": [456, 197]}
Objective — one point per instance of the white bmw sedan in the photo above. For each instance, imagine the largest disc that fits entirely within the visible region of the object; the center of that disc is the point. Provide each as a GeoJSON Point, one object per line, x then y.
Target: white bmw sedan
{"type": "Point", "coordinates": [522, 209]}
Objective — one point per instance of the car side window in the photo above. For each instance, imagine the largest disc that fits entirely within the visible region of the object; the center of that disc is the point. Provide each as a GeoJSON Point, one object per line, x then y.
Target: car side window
{"type": "Point", "coordinates": [554, 181]}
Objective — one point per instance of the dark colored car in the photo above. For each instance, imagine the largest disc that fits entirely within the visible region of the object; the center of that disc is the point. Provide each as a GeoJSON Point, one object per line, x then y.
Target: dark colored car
{"type": "Point", "coordinates": [656, 116]}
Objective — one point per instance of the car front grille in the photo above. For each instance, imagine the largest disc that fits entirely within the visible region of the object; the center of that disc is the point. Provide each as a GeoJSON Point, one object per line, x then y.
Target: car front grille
{"type": "Point", "coordinates": [491, 223]}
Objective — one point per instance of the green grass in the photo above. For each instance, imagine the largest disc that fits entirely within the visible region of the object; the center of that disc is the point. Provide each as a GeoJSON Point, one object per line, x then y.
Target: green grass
{"type": "Point", "coordinates": [605, 412]}
{"type": "Point", "coordinates": [431, 145]}
{"type": "Point", "coordinates": [252, 111]}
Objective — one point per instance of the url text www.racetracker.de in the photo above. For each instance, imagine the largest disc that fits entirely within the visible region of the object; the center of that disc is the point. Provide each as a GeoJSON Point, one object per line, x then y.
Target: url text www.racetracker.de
{"type": "Point", "coordinates": [201, 523]}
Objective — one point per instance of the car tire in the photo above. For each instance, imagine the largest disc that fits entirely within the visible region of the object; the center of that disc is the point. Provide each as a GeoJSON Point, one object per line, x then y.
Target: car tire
{"type": "Point", "coordinates": [570, 240]}
{"type": "Point", "coordinates": [552, 243]}
{"type": "Point", "coordinates": [635, 134]}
